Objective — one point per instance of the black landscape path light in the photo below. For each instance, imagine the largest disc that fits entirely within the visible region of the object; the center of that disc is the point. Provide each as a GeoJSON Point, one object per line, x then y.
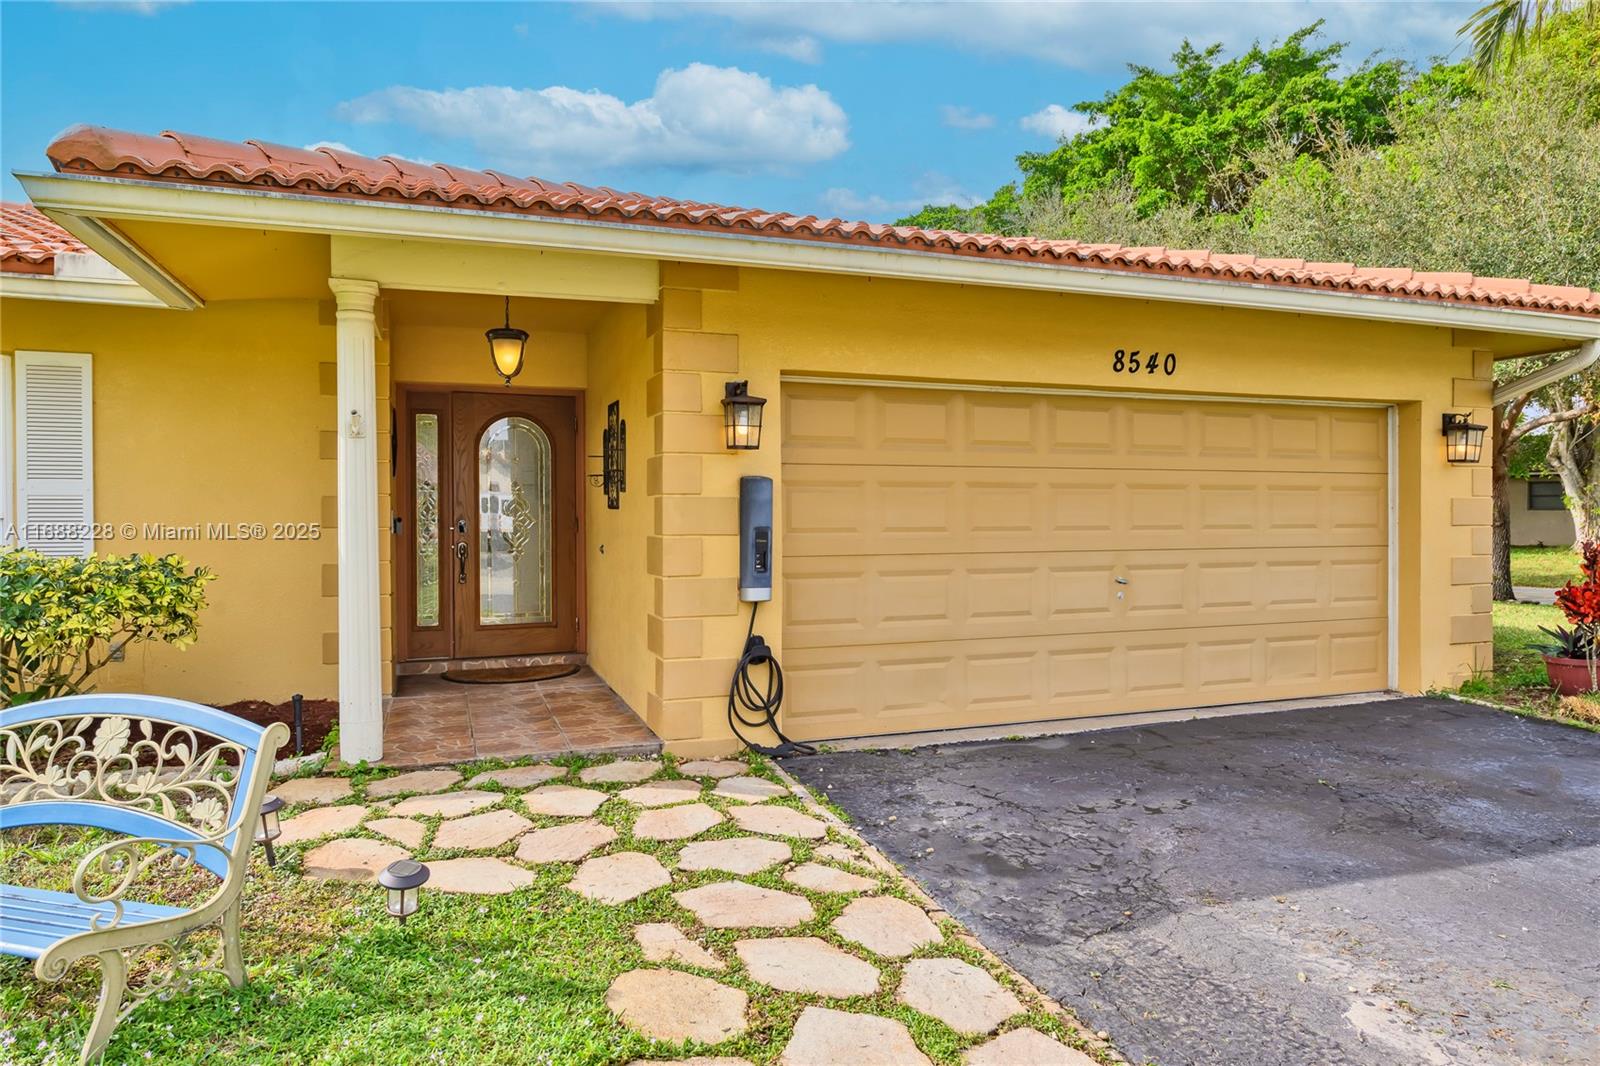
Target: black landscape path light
{"type": "Point", "coordinates": [404, 879]}
{"type": "Point", "coordinates": [269, 829]}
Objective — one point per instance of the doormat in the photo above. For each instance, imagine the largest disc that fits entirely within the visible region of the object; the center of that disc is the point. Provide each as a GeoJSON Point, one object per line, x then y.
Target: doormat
{"type": "Point", "coordinates": [511, 675]}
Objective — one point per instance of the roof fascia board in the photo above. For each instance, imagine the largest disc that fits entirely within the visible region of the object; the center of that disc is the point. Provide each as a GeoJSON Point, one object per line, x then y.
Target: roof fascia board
{"type": "Point", "coordinates": [75, 290]}
{"type": "Point", "coordinates": [126, 255]}
{"type": "Point", "coordinates": [175, 201]}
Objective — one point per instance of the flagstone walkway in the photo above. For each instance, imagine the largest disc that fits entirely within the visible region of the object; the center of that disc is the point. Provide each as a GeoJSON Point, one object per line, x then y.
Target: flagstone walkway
{"type": "Point", "coordinates": [814, 913]}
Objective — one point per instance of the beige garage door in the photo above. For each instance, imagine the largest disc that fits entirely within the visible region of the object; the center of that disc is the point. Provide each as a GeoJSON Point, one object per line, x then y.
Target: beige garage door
{"type": "Point", "coordinates": [973, 558]}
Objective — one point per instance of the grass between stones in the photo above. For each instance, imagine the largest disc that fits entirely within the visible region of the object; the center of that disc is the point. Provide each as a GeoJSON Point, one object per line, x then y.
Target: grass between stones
{"type": "Point", "coordinates": [515, 978]}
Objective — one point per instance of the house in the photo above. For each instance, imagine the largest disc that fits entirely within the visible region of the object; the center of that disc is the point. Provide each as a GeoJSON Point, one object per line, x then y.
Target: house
{"type": "Point", "coordinates": [1016, 479]}
{"type": "Point", "coordinates": [1539, 515]}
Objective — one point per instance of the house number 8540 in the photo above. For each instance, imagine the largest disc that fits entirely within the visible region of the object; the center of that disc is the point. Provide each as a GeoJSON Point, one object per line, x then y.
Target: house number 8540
{"type": "Point", "coordinates": [1136, 362]}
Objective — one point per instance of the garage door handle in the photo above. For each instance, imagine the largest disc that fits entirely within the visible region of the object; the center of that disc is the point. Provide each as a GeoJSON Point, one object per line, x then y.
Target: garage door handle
{"type": "Point", "coordinates": [1122, 581]}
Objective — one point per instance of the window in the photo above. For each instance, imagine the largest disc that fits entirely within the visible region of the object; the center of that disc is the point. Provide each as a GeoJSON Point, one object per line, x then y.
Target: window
{"type": "Point", "coordinates": [1545, 496]}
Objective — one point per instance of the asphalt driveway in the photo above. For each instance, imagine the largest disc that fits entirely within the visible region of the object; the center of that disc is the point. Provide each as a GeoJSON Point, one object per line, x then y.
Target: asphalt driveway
{"type": "Point", "coordinates": [1405, 881]}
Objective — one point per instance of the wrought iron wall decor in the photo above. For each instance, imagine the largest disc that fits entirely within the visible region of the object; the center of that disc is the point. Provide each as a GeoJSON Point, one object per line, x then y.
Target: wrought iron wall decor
{"type": "Point", "coordinates": [613, 476]}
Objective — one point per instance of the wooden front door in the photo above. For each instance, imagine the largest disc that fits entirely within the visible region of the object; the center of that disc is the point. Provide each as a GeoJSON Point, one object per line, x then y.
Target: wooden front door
{"type": "Point", "coordinates": [489, 508]}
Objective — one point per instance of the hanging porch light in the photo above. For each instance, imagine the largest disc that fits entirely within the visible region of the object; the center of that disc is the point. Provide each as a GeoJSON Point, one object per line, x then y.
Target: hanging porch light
{"type": "Point", "coordinates": [506, 345]}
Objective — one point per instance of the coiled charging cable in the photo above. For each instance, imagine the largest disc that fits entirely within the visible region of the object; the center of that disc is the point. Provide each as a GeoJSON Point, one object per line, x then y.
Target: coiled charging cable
{"type": "Point", "coordinates": [756, 706]}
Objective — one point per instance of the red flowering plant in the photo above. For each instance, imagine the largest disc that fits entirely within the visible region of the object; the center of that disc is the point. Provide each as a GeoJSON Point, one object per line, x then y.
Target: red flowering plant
{"type": "Point", "coordinates": [1580, 602]}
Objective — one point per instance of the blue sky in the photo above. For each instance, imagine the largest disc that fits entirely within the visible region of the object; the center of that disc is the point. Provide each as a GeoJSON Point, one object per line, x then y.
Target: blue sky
{"type": "Point", "coordinates": [860, 110]}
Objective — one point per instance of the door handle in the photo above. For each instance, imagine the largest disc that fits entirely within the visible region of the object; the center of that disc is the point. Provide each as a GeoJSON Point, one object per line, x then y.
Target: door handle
{"type": "Point", "coordinates": [1121, 580]}
{"type": "Point", "coordinates": [461, 562]}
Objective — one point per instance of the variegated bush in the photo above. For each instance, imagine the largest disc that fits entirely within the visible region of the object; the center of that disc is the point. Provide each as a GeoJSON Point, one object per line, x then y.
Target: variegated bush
{"type": "Point", "coordinates": [63, 619]}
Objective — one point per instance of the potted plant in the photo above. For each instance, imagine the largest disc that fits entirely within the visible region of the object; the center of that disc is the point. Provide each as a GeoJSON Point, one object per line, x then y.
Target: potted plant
{"type": "Point", "coordinates": [1566, 659]}
{"type": "Point", "coordinates": [1570, 660]}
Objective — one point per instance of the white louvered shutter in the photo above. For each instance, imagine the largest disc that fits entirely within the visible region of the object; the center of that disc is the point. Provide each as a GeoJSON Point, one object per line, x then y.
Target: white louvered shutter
{"type": "Point", "coordinates": [55, 452]}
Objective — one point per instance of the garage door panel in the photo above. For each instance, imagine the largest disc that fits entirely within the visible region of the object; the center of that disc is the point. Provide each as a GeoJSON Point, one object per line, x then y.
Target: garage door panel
{"type": "Point", "coordinates": [846, 600]}
{"type": "Point", "coordinates": [895, 688]}
{"type": "Point", "coordinates": [825, 424]}
{"type": "Point", "coordinates": [832, 510]}
{"type": "Point", "coordinates": [964, 558]}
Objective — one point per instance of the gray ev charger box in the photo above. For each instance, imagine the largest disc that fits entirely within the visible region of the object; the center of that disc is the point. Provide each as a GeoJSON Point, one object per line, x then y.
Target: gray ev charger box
{"type": "Point", "coordinates": [755, 539]}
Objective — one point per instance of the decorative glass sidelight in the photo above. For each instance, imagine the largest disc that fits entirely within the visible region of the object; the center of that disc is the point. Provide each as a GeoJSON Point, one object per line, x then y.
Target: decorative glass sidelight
{"type": "Point", "coordinates": [514, 524]}
{"type": "Point", "coordinates": [426, 432]}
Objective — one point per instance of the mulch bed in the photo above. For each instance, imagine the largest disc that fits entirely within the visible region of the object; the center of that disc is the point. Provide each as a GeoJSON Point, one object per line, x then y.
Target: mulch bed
{"type": "Point", "coordinates": [317, 721]}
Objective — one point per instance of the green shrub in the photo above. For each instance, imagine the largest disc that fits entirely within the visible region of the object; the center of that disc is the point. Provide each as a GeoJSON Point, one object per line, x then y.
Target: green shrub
{"type": "Point", "coordinates": [63, 619]}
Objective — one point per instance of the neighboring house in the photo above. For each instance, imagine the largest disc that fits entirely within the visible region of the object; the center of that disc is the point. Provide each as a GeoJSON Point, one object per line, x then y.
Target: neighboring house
{"type": "Point", "coordinates": [1016, 479]}
{"type": "Point", "coordinates": [1539, 515]}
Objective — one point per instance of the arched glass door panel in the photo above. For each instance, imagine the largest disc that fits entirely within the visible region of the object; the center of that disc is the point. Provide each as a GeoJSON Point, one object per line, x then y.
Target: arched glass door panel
{"type": "Point", "coordinates": [514, 524]}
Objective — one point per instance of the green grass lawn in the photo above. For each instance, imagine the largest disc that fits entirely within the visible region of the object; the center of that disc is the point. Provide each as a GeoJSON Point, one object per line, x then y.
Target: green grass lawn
{"type": "Point", "coordinates": [1519, 680]}
{"type": "Point", "coordinates": [516, 978]}
{"type": "Point", "coordinates": [1545, 568]}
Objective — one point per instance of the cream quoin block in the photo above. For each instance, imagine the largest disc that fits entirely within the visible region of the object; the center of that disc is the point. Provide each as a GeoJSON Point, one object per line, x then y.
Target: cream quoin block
{"type": "Point", "coordinates": [360, 646]}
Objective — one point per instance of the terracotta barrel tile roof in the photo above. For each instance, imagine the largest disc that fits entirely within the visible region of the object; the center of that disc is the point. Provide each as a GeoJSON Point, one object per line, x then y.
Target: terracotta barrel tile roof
{"type": "Point", "coordinates": [330, 172]}
{"type": "Point", "coordinates": [29, 242]}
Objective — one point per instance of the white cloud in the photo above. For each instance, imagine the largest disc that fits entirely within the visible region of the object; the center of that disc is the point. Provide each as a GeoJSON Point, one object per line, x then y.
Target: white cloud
{"type": "Point", "coordinates": [961, 117]}
{"type": "Point", "coordinates": [1057, 122]}
{"type": "Point", "coordinates": [340, 146]}
{"type": "Point", "coordinates": [931, 188]}
{"type": "Point", "coordinates": [802, 47]}
{"type": "Point", "coordinates": [1088, 34]}
{"type": "Point", "coordinates": [698, 118]}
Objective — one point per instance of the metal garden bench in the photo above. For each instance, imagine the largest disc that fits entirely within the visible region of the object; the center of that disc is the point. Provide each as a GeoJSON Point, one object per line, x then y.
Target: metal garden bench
{"type": "Point", "coordinates": [181, 786]}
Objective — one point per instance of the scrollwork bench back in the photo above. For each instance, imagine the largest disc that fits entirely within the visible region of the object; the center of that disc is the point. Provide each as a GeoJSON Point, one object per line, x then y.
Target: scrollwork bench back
{"type": "Point", "coordinates": [179, 784]}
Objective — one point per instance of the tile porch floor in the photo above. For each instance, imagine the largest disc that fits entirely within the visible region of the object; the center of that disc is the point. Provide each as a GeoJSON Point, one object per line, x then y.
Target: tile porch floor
{"type": "Point", "coordinates": [431, 721]}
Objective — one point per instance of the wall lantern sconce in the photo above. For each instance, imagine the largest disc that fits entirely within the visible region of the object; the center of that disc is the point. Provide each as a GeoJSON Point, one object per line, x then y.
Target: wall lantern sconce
{"type": "Point", "coordinates": [506, 345]}
{"type": "Point", "coordinates": [613, 476]}
{"type": "Point", "coordinates": [1463, 440]}
{"type": "Point", "coordinates": [741, 413]}
{"type": "Point", "coordinates": [403, 879]}
{"type": "Point", "coordinates": [269, 829]}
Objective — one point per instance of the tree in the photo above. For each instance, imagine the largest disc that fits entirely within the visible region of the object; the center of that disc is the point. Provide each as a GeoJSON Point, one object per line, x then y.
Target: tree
{"type": "Point", "coordinates": [1574, 457]}
{"type": "Point", "coordinates": [1190, 136]}
{"type": "Point", "coordinates": [1564, 415]}
{"type": "Point", "coordinates": [947, 216]}
{"type": "Point", "coordinates": [1502, 29]}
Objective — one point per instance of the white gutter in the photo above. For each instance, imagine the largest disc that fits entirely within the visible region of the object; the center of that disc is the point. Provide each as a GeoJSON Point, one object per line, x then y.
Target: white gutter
{"type": "Point", "coordinates": [1577, 362]}
{"type": "Point", "coordinates": [75, 290]}
{"type": "Point", "coordinates": [94, 195]}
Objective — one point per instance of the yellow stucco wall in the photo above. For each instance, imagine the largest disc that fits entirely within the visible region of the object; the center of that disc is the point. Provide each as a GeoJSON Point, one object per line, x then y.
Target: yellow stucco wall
{"type": "Point", "coordinates": [225, 414]}
{"type": "Point", "coordinates": [761, 325]}
{"type": "Point", "coordinates": [228, 413]}
{"type": "Point", "coordinates": [617, 541]}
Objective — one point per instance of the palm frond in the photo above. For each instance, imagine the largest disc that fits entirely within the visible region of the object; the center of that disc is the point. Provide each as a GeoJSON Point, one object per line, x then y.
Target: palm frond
{"type": "Point", "coordinates": [1501, 29]}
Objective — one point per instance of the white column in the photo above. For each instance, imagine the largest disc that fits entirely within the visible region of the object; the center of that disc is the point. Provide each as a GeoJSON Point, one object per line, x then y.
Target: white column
{"type": "Point", "coordinates": [360, 647]}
